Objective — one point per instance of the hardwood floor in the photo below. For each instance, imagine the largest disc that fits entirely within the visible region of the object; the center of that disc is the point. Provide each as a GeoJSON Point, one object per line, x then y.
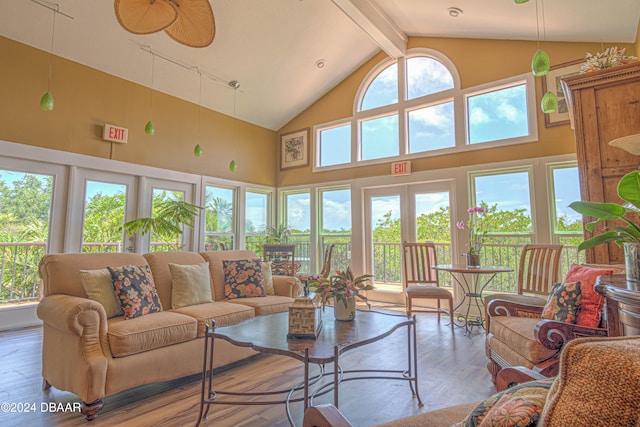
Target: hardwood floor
{"type": "Point", "coordinates": [451, 370]}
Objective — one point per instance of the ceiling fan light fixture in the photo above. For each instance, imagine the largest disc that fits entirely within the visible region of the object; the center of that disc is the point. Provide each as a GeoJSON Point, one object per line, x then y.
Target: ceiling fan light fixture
{"type": "Point", "coordinates": [144, 16]}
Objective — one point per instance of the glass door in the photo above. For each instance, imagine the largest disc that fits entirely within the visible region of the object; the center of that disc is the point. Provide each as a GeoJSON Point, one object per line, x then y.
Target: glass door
{"type": "Point", "coordinates": [412, 213]}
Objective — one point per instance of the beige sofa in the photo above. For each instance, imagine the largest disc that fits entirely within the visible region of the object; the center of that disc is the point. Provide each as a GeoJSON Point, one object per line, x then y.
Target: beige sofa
{"type": "Point", "coordinates": [89, 355]}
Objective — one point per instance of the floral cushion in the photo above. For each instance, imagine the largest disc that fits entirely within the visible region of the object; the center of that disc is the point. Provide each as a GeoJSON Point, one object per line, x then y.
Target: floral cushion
{"type": "Point", "coordinates": [520, 405]}
{"type": "Point", "coordinates": [563, 302]}
{"type": "Point", "coordinates": [135, 289]}
{"type": "Point", "coordinates": [592, 302]}
{"type": "Point", "coordinates": [243, 278]}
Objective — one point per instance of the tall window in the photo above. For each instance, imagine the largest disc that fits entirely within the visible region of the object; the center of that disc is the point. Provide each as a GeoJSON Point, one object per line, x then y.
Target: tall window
{"type": "Point", "coordinates": [335, 225]}
{"type": "Point", "coordinates": [219, 218]}
{"type": "Point", "coordinates": [25, 211]}
{"type": "Point", "coordinates": [507, 195]}
{"type": "Point", "coordinates": [297, 212]}
{"type": "Point", "coordinates": [161, 206]}
{"type": "Point", "coordinates": [104, 214]}
{"type": "Point", "coordinates": [257, 208]}
{"type": "Point", "coordinates": [566, 223]}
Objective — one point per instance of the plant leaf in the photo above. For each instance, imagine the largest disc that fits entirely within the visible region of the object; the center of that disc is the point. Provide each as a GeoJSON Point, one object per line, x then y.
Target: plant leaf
{"type": "Point", "coordinates": [602, 211]}
{"type": "Point", "coordinates": [629, 188]}
{"type": "Point", "coordinates": [607, 237]}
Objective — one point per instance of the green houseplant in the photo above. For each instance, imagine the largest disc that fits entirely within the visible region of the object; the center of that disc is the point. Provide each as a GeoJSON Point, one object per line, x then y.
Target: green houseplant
{"type": "Point", "coordinates": [626, 234]}
{"type": "Point", "coordinates": [344, 288]}
{"type": "Point", "coordinates": [167, 221]}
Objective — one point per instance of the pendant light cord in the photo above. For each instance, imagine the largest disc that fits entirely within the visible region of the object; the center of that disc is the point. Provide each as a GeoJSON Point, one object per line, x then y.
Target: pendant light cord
{"type": "Point", "coordinates": [53, 33]}
{"type": "Point", "coordinates": [538, 23]}
{"type": "Point", "coordinates": [153, 65]}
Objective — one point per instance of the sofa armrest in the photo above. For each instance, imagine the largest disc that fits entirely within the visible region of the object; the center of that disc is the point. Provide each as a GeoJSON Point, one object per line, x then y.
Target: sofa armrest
{"type": "Point", "coordinates": [510, 376]}
{"type": "Point", "coordinates": [73, 315]}
{"type": "Point", "coordinates": [286, 286]}
{"type": "Point", "coordinates": [499, 307]}
{"type": "Point", "coordinates": [554, 335]}
{"type": "Point", "coordinates": [75, 347]}
{"type": "Point", "coordinates": [325, 415]}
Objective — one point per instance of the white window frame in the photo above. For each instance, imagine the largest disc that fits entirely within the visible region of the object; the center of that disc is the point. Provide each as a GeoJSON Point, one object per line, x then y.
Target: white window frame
{"type": "Point", "coordinates": [234, 214]}
{"type": "Point", "coordinates": [402, 107]}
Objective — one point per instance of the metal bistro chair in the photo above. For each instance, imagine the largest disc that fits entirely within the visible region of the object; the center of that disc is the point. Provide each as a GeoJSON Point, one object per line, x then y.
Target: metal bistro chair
{"type": "Point", "coordinates": [421, 280]}
{"type": "Point", "coordinates": [539, 269]}
{"type": "Point", "coordinates": [282, 259]}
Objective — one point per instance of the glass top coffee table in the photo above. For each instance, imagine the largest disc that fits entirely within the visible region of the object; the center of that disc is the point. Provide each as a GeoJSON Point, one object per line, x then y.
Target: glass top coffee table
{"type": "Point", "coordinates": [268, 334]}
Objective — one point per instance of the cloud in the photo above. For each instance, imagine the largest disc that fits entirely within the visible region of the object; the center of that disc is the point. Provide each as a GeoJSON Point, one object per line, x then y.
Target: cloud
{"type": "Point", "coordinates": [478, 116]}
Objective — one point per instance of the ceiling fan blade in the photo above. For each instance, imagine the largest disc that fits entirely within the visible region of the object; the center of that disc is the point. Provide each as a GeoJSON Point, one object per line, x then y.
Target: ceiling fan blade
{"type": "Point", "coordinates": [195, 25]}
{"type": "Point", "coordinates": [145, 16]}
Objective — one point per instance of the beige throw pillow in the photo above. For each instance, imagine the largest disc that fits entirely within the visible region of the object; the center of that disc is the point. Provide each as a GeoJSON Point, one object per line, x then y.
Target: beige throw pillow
{"type": "Point", "coordinates": [191, 284]}
{"type": "Point", "coordinates": [99, 287]}
{"type": "Point", "coordinates": [268, 278]}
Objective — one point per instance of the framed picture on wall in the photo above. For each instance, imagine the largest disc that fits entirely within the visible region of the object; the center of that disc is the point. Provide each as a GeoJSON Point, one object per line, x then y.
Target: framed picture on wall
{"type": "Point", "coordinates": [552, 82]}
{"type": "Point", "coordinates": [294, 149]}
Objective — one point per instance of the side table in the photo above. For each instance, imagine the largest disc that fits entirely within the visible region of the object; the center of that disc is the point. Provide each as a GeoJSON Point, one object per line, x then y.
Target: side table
{"type": "Point", "coordinates": [622, 305]}
{"type": "Point", "coordinates": [472, 289]}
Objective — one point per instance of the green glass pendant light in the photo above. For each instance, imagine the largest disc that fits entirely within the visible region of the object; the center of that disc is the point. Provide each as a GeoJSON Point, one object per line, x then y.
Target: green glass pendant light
{"type": "Point", "coordinates": [46, 102]}
{"type": "Point", "coordinates": [149, 128]}
{"type": "Point", "coordinates": [197, 151]}
{"type": "Point", "coordinates": [540, 63]}
{"type": "Point", "coordinates": [233, 166]}
{"type": "Point", "coordinates": [549, 102]}
{"type": "Point", "coordinates": [521, 1]}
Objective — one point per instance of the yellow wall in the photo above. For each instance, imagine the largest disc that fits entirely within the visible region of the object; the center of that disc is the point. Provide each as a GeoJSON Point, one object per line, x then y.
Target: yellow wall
{"type": "Point", "coordinates": [86, 99]}
{"type": "Point", "coordinates": [477, 62]}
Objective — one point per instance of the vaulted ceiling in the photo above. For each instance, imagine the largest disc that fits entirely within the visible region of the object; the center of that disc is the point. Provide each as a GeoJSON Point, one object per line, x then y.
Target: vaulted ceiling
{"type": "Point", "coordinates": [272, 47]}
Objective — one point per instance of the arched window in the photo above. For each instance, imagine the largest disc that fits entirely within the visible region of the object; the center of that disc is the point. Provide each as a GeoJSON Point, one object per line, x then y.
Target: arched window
{"type": "Point", "coordinates": [414, 106]}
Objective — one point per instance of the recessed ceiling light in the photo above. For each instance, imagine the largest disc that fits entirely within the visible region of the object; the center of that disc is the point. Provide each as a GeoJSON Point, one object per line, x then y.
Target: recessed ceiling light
{"type": "Point", "coordinates": [320, 63]}
{"type": "Point", "coordinates": [454, 11]}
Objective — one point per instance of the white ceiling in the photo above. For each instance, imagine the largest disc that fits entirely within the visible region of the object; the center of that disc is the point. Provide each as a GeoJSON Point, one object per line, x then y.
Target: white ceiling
{"type": "Point", "coordinates": [271, 46]}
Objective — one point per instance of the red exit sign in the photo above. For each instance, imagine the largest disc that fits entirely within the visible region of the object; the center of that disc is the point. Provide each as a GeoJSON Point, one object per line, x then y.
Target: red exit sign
{"type": "Point", "coordinates": [115, 134]}
{"type": "Point", "coordinates": [401, 168]}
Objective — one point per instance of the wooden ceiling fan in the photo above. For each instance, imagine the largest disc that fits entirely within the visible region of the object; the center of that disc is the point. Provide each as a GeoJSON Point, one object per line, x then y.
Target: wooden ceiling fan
{"type": "Point", "coordinates": [189, 22]}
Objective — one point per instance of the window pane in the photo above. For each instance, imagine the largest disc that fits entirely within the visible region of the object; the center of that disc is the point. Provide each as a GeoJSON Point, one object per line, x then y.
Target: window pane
{"type": "Point", "coordinates": [336, 226]}
{"type": "Point", "coordinates": [25, 209]}
{"type": "Point", "coordinates": [500, 114]}
{"type": "Point", "coordinates": [104, 214]}
{"type": "Point", "coordinates": [336, 211]}
{"type": "Point", "coordinates": [383, 90]}
{"type": "Point", "coordinates": [219, 215]}
{"type": "Point", "coordinates": [379, 137]}
{"type": "Point", "coordinates": [161, 242]}
{"type": "Point", "coordinates": [257, 217]}
{"type": "Point", "coordinates": [566, 189]}
{"type": "Point", "coordinates": [509, 193]}
{"type": "Point", "coordinates": [298, 215]}
{"type": "Point", "coordinates": [335, 145]}
{"type": "Point", "coordinates": [426, 76]}
{"type": "Point", "coordinates": [386, 238]}
{"type": "Point", "coordinates": [431, 128]}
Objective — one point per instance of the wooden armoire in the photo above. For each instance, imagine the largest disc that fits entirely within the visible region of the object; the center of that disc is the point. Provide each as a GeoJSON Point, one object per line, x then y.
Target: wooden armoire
{"type": "Point", "coordinates": [604, 105]}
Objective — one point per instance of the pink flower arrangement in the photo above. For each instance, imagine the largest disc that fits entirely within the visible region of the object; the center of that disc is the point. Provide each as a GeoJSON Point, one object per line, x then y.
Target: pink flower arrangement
{"type": "Point", "coordinates": [476, 226]}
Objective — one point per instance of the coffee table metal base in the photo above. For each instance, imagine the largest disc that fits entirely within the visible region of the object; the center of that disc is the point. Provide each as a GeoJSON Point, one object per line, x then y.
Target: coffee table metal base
{"type": "Point", "coordinates": [312, 385]}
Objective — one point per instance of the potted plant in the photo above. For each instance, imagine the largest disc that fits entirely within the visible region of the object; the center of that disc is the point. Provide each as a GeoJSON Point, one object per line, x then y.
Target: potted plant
{"type": "Point", "coordinates": [344, 288]}
{"type": "Point", "coordinates": [167, 220]}
{"type": "Point", "coordinates": [626, 235]}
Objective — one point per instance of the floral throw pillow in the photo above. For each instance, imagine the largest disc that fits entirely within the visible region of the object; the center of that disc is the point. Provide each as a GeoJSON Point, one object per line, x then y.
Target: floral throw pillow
{"type": "Point", "coordinates": [520, 405]}
{"type": "Point", "coordinates": [243, 278]}
{"type": "Point", "coordinates": [135, 289]}
{"type": "Point", "coordinates": [563, 302]}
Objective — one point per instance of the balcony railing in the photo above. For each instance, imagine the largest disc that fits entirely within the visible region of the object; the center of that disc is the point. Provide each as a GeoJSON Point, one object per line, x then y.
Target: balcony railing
{"type": "Point", "coordinates": [21, 283]}
{"type": "Point", "coordinates": [19, 271]}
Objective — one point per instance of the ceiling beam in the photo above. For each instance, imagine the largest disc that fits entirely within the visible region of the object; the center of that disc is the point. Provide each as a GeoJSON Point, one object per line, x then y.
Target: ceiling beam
{"type": "Point", "coordinates": [376, 24]}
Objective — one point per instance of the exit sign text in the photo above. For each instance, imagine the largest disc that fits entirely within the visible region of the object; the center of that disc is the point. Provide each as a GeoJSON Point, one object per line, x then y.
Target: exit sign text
{"type": "Point", "coordinates": [401, 168]}
{"type": "Point", "coordinates": [115, 134]}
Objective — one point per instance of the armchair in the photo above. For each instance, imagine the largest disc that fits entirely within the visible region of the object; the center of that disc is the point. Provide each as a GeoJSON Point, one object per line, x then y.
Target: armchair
{"type": "Point", "coordinates": [519, 337]}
